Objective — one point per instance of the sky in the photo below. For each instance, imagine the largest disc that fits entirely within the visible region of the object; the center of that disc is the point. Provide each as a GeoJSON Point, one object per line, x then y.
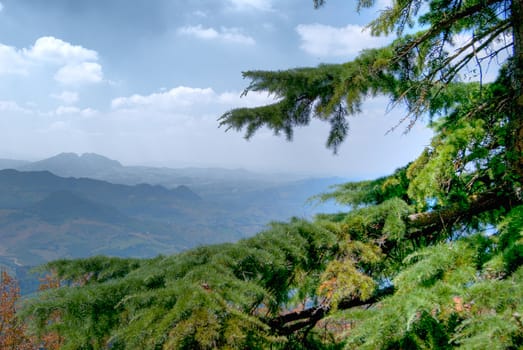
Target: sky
{"type": "Point", "coordinates": [145, 81]}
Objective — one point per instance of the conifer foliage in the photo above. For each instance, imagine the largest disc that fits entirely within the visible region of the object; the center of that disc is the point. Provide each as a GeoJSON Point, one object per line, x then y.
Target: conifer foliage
{"type": "Point", "coordinates": [429, 257]}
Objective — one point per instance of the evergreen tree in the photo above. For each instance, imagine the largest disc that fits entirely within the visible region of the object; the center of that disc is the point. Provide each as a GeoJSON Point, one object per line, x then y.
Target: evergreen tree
{"type": "Point", "coordinates": [429, 257]}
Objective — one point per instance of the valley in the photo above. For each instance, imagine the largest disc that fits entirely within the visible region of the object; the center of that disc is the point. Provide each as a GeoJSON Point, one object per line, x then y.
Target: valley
{"type": "Point", "coordinates": [72, 206]}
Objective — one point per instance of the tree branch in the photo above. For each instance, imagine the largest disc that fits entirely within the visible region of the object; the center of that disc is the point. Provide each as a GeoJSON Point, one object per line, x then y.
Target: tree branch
{"type": "Point", "coordinates": [294, 321]}
{"type": "Point", "coordinates": [423, 224]}
{"type": "Point", "coordinates": [445, 24]}
{"type": "Point", "coordinates": [420, 224]}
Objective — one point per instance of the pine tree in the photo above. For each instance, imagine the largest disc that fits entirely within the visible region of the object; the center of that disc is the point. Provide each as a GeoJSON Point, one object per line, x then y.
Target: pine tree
{"type": "Point", "coordinates": [429, 257]}
{"type": "Point", "coordinates": [417, 70]}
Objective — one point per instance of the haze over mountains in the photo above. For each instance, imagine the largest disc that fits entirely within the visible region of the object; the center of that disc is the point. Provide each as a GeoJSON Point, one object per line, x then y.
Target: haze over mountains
{"type": "Point", "coordinates": [80, 205]}
{"type": "Point", "coordinates": [203, 180]}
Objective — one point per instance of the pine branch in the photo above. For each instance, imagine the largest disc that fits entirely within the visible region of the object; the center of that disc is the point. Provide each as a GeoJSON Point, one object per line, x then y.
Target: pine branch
{"type": "Point", "coordinates": [420, 224]}
{"type": "Point", "coordinates": [294, 321]}
{"type": "Point", "coordinates": [428, 223]}
{"type": "Point", "coordinates": [445, 25]}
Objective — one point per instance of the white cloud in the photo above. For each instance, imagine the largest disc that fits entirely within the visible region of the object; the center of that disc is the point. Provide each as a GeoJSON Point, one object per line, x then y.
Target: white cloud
{"type": "Point", "coordinates": [1, 7]}
{"type": "Point", "coordinates": [77, 64]}
{"type": "Point", "coordinates": [230, 35]}
{"type": "Point", "coordinates": [67, 97]}
{"type": "Point", "coordinates": [12, 61]}
{"type": "Point", "coordinates": [79, 73]}
{"type": "Point", "coordinates": [234, 35]}
{"type": "Point", "coordinates": [88, 112]}
{"type": "Point", "coordinates": [244, 5]}
{"type": "Point", "coordinates": [199, 32]}
{"type": "Point", "coordinates": [50, 49]}
{"type": "Point", "coordinates": [323, 40]}
{"type": "Point", "coordinates": [181, 96]}
{"type": "Point", "coordinates": [188, 98]}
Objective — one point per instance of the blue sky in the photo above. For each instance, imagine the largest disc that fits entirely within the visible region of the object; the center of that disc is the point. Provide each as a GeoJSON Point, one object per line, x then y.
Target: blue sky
{"type": "Point", "coordinates": [144, 82]}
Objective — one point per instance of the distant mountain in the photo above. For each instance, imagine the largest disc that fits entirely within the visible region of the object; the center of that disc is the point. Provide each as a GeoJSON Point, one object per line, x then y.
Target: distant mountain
{"type": "Point", "coordinates": [19, 189]}
{"type": "Point", "coordinates": [44, 217]}
{"type": "Point", "coordinates": [99, 206]}
{"type": "Point", "coordinates": [204, 181]}
{"type": "Point", "coordinates": [71, 164]}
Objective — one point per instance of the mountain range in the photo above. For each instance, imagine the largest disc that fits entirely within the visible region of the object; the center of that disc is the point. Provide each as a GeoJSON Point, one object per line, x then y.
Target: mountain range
{"type": "Point", "coordinates": [72, 205]}
{"type": "Point", "coordinates": [205, 181]}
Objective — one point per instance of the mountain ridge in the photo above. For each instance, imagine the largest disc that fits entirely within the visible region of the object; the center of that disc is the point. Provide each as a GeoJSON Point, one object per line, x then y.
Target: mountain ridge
{"type": "Point", "coordinates": [41, 182]}
{"type": "Point", "coordinates": [72, 164]}
{"type": "Point", "coordinates": [203, 181]}
{"type": "Point", "coordinates": [44, 216]}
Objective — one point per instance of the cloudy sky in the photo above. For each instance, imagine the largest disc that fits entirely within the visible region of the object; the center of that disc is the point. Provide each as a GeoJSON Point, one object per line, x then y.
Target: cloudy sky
{"type": "Point", "coordinates": [144, 82]}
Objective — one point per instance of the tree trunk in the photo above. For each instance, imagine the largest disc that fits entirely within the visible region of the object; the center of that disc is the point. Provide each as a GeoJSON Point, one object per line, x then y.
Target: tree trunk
{"type": "Point", "coordinates": [517, 34]}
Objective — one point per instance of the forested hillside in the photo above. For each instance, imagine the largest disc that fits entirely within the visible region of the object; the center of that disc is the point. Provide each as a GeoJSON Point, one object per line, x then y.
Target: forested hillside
{"type": "Point", "coordinates": [429, 257]}
{"type": "Point", "coordinates": [45, 217]}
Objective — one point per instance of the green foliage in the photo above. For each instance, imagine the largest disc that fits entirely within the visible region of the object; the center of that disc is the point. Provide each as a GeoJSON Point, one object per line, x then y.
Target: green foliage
{"type": "Point", "coordinates": [209, 297]}
{"type": "Point", "coordinates": [343, 280]}
{"type": "Point", "coordinates": [384, 220]}
{"type": "Point", "coordinates": [371, 192]}
{"type": "Point", "coordinates": [467, 155]}
{"type": "Point", "coordinates": [91, 270]}
{"type": "Point", "coordinates": [328, 92]}
{"type": "Point", "coordinates": [449, 295]}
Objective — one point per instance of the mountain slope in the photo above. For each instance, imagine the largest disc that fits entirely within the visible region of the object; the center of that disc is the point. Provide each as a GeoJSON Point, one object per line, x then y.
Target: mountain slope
{"type": "Point", "coordinates": [45, 217]}
{"type": "Point", "coordinates": [60, 206]}
{"type": "Point", "coordinates": [19, 189]}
